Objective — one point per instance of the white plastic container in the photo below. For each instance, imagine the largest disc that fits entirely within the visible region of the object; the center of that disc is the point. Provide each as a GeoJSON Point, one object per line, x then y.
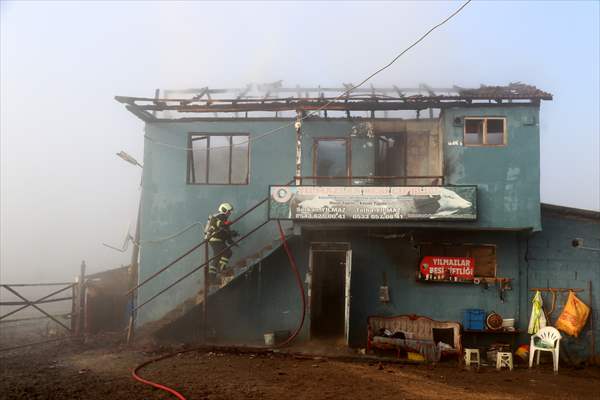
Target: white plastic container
{"type": "Point", "coordinates": [508, 323]}
{"type": "Point", "coordinates": [269, 339]}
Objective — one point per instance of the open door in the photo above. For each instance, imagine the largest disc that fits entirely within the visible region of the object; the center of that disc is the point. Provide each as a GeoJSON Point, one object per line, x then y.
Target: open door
{"type": "Point", "coordinates": [330, 292]}
{"type": "Point", "coordinates": [347, 296]}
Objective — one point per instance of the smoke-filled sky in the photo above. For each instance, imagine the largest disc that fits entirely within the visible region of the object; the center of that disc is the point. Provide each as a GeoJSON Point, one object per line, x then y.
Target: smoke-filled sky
{"type": "Point", "coordinates": [63, 190]}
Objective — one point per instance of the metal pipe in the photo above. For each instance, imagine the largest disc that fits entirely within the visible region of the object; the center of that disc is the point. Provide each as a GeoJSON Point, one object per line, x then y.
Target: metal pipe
{"type": "Point", "coordinates": [37, 284]}
{"type": "Point", "coordinates": [370, 177]}
{"type": "Point", "coordinates": [298, 126]}
{"type": "Point", "coordinates": [30, 303]}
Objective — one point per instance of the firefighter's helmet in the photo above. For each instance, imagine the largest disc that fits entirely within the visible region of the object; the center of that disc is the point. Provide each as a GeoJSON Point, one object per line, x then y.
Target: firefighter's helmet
{"type": "Point", "coordinates": [225, 208]}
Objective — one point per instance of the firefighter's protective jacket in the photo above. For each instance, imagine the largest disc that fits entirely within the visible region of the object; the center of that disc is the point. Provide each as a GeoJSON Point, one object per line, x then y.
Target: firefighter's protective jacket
{"type": "Point", "coordinates": [219, 225]}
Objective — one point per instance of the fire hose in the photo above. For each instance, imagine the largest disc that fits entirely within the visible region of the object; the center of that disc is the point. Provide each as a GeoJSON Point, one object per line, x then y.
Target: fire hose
{"type": "Point", "coordinates": [137, 377]}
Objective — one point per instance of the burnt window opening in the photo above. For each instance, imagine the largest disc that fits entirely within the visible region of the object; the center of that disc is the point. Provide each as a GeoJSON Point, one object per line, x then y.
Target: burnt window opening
{"type": "Point", "coordinates": [218, 159]}
{"type": "Point", "coordinates": [331, 161]}
{"type": "Point", "coordinates": [407, 158]}
{"type": "Point", "coordinates": [484, 255]}
{"type": "Point", "coordinates": [391, 158]}
{"type": "Point", "coordinates": [485, 132]}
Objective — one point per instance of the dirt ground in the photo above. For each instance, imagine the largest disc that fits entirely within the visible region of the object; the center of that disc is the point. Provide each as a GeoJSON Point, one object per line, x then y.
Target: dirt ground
{"type": "Point", "coordinates": [102, 371]}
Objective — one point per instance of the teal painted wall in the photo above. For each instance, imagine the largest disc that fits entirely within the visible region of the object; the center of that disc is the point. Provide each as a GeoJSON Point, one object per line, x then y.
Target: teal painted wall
{"type": "Point", "coordinates": [508, 177]}
{"type": "Point", "coordinates": [267, 298]}
{"type": "Point", "coordinates": [551, 261]}
{"type": "Point", "coordinates": [169, 204]}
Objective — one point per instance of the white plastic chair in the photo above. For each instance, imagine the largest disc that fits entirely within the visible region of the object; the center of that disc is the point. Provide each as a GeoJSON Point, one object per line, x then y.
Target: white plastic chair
{"type": "Point", "coordinates": [550, 336]}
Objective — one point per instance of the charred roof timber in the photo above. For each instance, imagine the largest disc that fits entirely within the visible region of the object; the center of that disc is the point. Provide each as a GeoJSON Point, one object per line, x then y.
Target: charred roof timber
{"type": "Point", "coordinates": [274, 97]}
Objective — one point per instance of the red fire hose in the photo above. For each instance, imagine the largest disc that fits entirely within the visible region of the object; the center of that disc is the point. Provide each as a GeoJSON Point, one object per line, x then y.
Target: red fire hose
{"type": "Point", "coordinates": [134, 372]}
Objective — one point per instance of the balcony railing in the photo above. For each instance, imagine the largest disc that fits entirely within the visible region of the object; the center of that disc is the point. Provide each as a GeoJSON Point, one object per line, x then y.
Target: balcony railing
{"type": "Point", "coordinates": [414, 180]}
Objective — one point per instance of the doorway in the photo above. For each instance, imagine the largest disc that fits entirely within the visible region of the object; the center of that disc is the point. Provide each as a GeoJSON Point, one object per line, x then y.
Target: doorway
{"type": "Point", "coordinates": [330, 292]}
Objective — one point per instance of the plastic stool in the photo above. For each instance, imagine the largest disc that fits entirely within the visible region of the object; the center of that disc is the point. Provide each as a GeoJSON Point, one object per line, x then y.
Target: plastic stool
{"type": "Point", "coordinates": [504, 359]}
{"type": "Point", "coordinates": [472, 357]}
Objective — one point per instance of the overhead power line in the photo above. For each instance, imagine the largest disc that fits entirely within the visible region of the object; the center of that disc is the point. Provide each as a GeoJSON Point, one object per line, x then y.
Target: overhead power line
{"type": "Point", "coordinates": [343, 94]}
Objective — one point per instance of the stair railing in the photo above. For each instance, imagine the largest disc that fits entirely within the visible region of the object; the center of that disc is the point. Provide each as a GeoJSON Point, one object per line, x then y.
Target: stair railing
{"type": "Point", "coordinates": [203, 242]}
{"type": "Point", "coordinates": [205, 263]}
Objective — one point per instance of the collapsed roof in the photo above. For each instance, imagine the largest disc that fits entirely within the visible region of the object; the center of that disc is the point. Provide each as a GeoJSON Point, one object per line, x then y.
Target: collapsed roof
{"type": "Point", "coordinates": [274, 97]}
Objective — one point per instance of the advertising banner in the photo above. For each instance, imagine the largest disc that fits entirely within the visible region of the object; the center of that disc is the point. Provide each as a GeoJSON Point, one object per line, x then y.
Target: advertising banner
{"type": "Point", "coordinates": [447, 268]}
{"type": "Point", "coordinates": [373, 203]}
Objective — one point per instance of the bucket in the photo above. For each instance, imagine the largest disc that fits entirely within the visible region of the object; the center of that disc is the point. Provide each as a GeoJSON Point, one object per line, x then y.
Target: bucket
{"type": "Point", "coordinates": [508, 323]}
{"type": "Point", "coordinates": [269, 339]}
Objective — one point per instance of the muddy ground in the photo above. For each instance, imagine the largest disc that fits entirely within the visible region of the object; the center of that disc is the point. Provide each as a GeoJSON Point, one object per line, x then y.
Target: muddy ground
{"type": "Point", "coordinates": [94, 371]}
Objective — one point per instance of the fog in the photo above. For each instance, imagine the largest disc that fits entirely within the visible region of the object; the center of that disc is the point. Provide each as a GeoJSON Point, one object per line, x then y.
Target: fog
{"type": "Point", "coordinates": [63, 190]}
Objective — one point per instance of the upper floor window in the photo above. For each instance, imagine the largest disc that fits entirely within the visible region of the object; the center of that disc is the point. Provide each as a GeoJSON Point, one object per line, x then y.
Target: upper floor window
{"type": "Point", "coordinates": [218, 159]}
{"type": "Point", "coordinates": [485, 131]}
{"type": "Point", "coordinates": [331, 160]}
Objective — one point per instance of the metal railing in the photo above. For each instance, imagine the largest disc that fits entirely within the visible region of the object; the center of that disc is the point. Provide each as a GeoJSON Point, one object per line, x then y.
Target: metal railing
{"type": "Point", "coordinates": [76, 314]}
{"type": "Point", "coordinates": [368, 180]}
{"type": "Point", "coordinates": [203, 242]}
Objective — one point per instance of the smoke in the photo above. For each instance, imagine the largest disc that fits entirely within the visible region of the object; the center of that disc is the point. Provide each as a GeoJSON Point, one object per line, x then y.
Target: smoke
{"type": "Point", "coordinates": [63, 191]}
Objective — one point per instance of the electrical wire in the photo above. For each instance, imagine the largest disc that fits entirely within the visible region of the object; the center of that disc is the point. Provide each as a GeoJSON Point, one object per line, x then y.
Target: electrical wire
{"type": "Point", "coordinates": [343, 94]}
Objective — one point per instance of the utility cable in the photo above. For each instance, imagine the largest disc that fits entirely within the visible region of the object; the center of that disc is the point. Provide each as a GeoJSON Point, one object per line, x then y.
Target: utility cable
{"type": "Point", "coordinates": [343, 94]}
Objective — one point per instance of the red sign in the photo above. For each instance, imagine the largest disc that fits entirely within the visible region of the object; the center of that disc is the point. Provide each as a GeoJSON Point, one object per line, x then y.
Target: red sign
{"type": "Point", "coordinates": [447, 268]}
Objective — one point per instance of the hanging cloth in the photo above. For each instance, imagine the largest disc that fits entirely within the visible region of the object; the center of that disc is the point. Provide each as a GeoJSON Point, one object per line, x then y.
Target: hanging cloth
{"type": "Point", "coordinates": [538, 319]}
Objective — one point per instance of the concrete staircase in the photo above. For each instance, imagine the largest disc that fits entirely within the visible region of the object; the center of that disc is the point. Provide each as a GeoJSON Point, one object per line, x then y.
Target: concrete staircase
{"type": "Point", "coordinates": [241, 267]}
{"type": "Point", "coordinates": [245, 264]}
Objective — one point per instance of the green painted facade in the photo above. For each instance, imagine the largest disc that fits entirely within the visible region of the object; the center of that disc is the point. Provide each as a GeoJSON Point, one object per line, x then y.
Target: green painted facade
{"type": "Point", "coordinates": [507, 179]}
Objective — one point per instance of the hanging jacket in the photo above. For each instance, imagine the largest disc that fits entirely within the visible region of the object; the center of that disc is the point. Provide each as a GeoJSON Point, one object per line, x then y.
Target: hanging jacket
{"type": "Point", "coordinates": [538, 319]}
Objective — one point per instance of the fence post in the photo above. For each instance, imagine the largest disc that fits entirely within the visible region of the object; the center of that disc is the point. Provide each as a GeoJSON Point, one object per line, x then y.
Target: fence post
{"type": "Point", "coordinates": [134, 273]}
{"type": "Point", "coordinates": [80, 301]}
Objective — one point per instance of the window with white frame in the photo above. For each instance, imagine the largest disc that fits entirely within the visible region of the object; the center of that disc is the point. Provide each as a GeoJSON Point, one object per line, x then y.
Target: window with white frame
{"type": "Point", "coordinates": [488, 131]}
{"type": "Point", "coordinates": [218, 159]}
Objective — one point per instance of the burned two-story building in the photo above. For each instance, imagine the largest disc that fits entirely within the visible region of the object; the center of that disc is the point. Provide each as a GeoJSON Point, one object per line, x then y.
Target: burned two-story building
{"type": "Point", "coordinates": [415, 201]}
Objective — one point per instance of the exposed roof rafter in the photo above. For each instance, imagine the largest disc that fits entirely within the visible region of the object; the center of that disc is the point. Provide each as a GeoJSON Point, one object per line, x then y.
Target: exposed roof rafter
{"type": "Point", "coordinates": [274, 97]}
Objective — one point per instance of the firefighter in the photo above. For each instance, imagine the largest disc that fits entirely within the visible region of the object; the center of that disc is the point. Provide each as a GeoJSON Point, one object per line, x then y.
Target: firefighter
{"type": "Point", "coordinates": [221, 237]}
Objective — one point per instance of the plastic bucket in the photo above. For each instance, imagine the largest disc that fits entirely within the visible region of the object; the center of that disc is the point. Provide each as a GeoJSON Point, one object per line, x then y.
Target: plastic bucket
{"type": "Point", "coordinates": [508, 323]}
{"type": "Point", "coordinates": [269, 339]}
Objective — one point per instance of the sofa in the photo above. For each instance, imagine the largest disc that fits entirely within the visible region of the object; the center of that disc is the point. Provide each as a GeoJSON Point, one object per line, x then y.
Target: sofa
{"type": "Point", "coordinates": [415, 333]}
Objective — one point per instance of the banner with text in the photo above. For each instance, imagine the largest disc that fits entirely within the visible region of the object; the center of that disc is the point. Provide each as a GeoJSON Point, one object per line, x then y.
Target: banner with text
{"type": "Point", "coordinates": [447, 268]}
{"type": "Point", "coordinates": [370, 203]}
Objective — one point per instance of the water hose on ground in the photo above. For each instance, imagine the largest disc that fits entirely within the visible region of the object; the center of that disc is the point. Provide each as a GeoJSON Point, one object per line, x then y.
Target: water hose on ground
{"type": "Point", "coordinates": [134, 372]}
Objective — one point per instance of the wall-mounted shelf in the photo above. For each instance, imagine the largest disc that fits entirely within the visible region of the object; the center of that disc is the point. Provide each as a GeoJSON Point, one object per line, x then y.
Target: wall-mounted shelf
{"type": "Point", "coordinates": [476, 281]}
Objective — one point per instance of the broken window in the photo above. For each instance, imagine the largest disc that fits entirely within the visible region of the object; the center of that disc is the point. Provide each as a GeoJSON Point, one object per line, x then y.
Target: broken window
{"type": "Point", "coordinates": [331, 159]}
{"type": "Point", "coordinates": [407, 158]}
{"type": "Point", "coordinates": [218, 159]}
{"type": "Point", "coordinates": [484, 256]}
{"type": "Point", "coordinates": [485, 132]}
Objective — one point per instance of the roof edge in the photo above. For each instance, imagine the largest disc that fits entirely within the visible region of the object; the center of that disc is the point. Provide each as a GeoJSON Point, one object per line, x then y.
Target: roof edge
{"type": "Point", "coordinates": [570, 211]}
